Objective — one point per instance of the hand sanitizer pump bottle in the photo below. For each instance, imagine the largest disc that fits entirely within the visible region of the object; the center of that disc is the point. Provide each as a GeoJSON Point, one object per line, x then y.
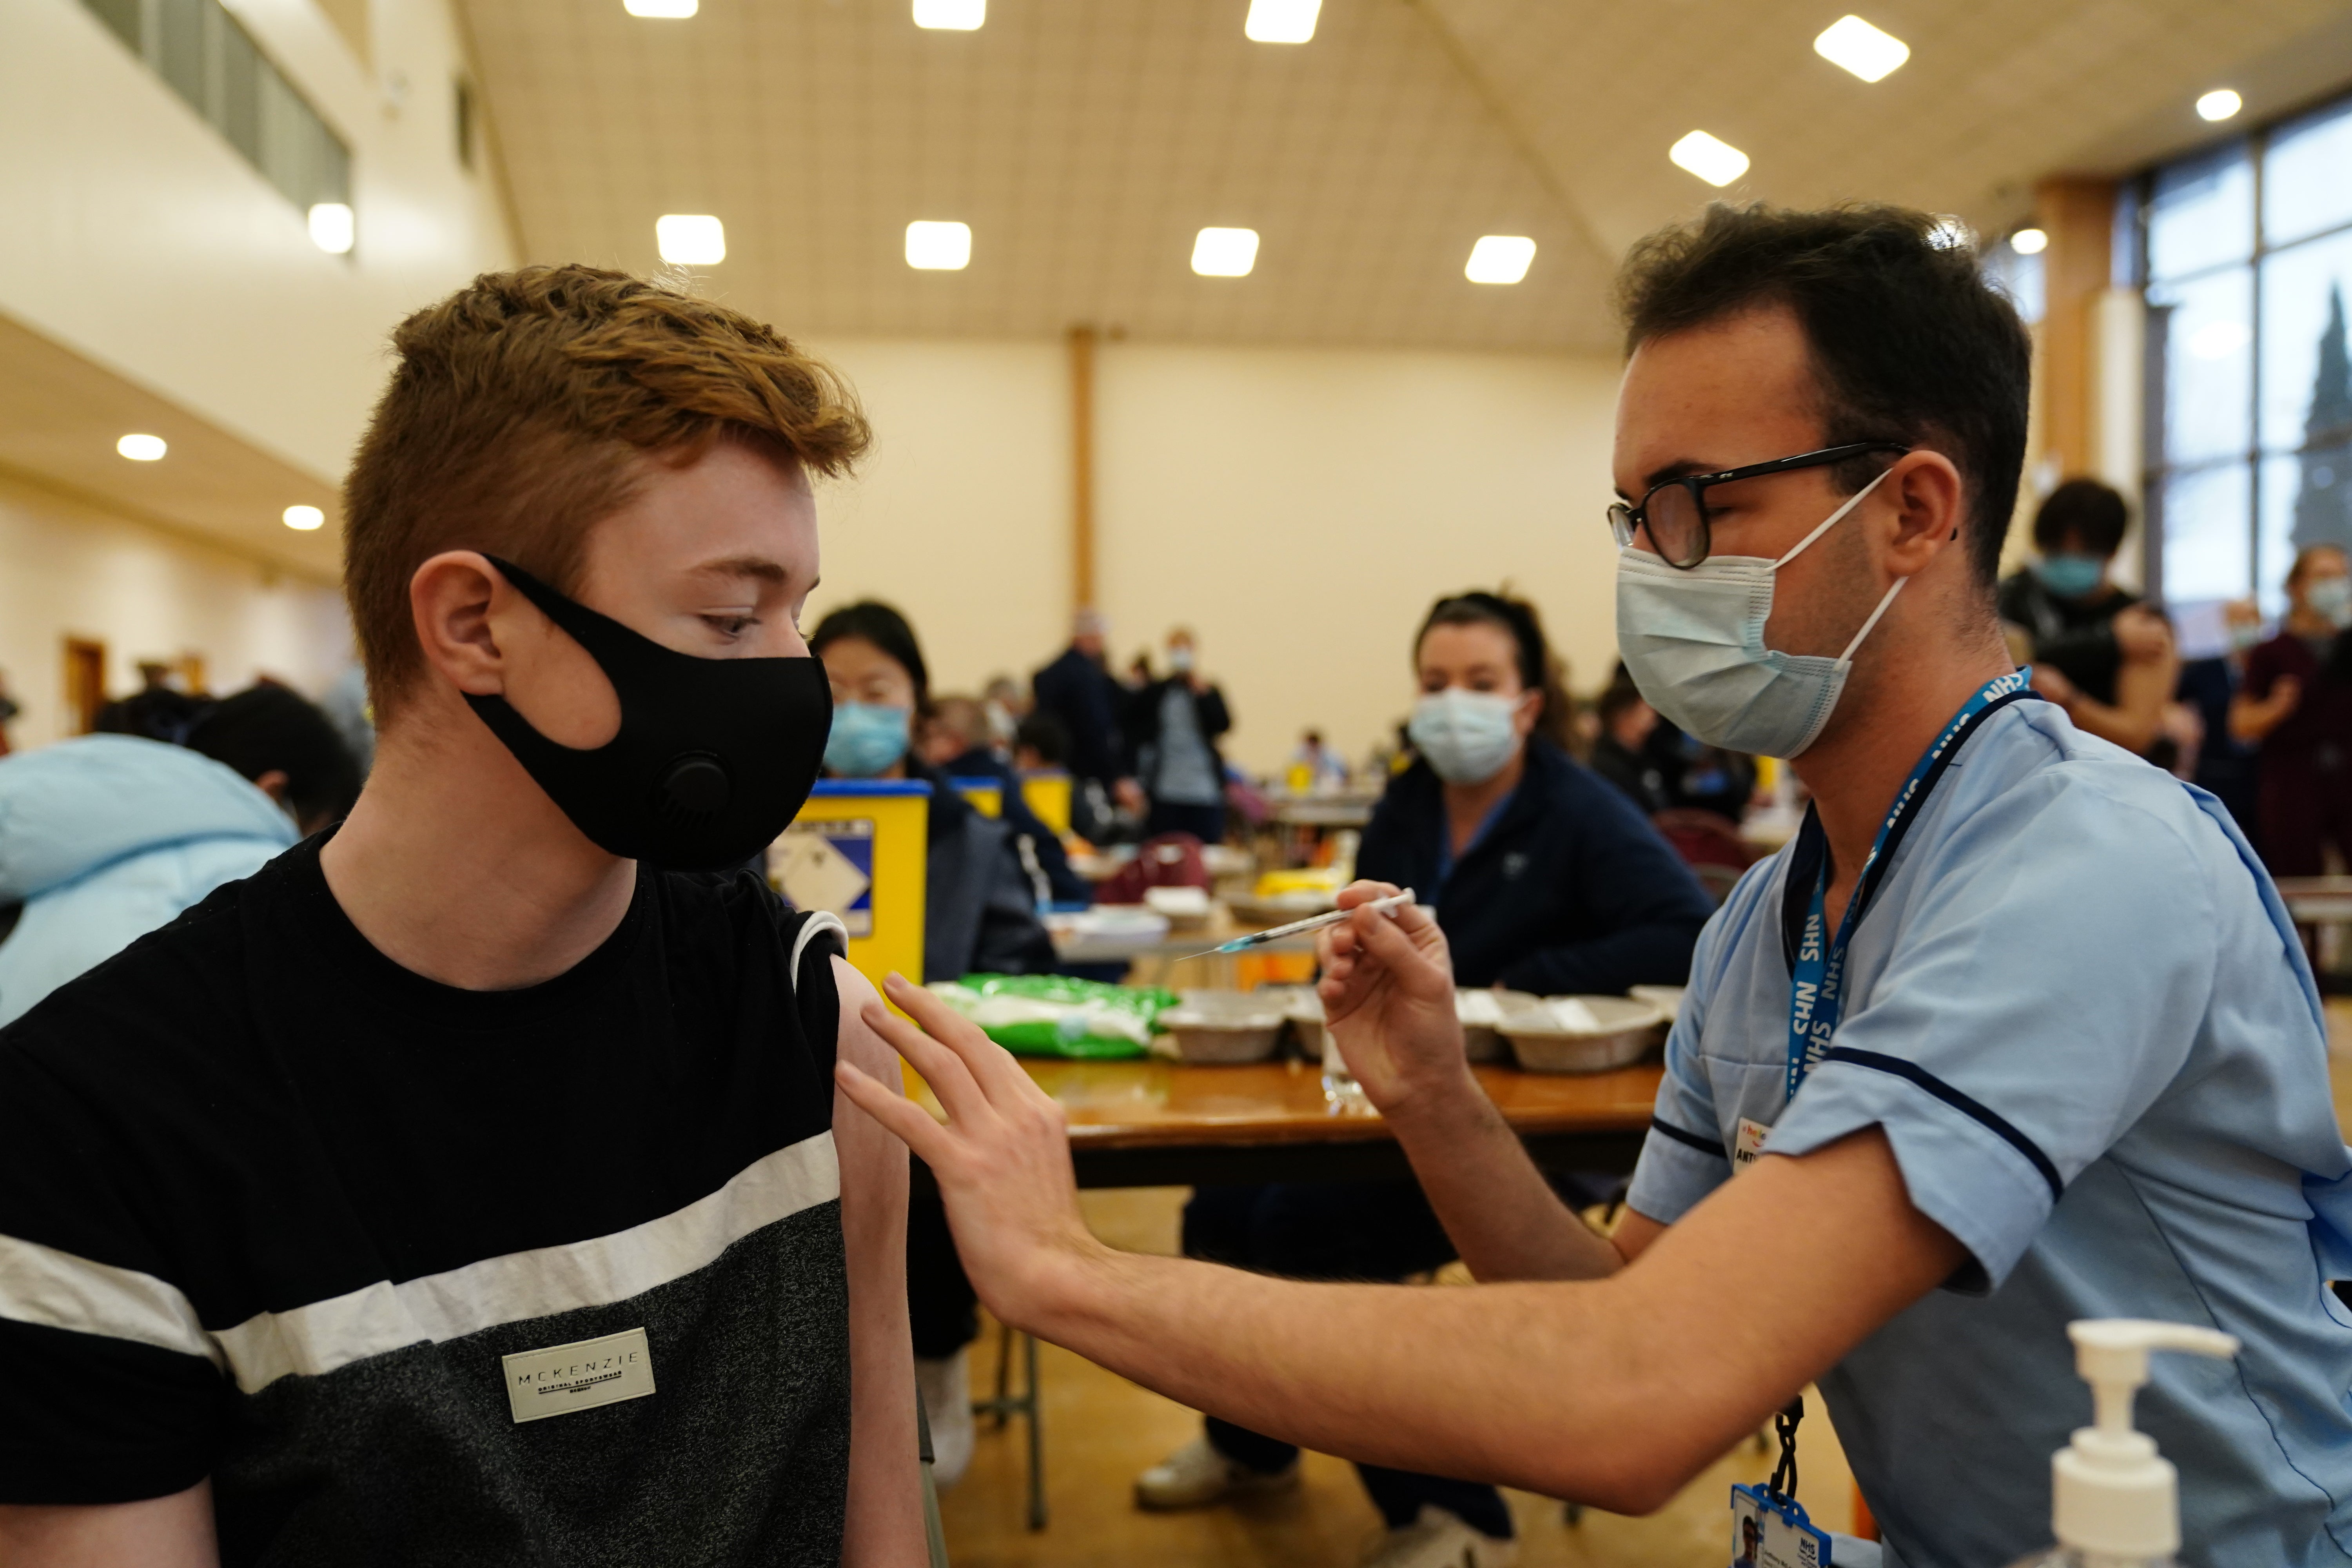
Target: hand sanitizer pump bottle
{"type": "Point", "coordinates": [2115, 1500]}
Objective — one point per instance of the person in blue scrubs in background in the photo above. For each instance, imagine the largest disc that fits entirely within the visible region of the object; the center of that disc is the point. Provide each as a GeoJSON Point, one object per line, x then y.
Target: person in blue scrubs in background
{"type": "Point", "coordinates": [2015, 1032]}
{"type": "Point", "coordinates": [1546, 878]}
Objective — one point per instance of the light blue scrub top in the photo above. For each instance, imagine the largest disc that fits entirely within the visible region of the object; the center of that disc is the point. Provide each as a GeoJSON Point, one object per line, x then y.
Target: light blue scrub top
{"type": "Point", "coordinates": [2078, 1009]}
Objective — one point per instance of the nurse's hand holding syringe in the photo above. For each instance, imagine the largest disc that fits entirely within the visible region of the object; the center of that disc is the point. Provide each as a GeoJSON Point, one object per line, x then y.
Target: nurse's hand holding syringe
{"type": "Point", "coordinates": [1387, 999]}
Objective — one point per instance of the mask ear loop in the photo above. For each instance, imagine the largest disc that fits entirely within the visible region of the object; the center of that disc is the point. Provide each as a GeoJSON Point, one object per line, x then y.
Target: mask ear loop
{"type": "Point", "coordinates": [1830, 521]}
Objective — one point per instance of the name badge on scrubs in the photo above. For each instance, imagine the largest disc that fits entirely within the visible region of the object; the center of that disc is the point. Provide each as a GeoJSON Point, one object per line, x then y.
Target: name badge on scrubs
{"type": "Point", "coordinates": [1751, 1144]}
{"type": "Point", "coordinates": [1769, 1531]}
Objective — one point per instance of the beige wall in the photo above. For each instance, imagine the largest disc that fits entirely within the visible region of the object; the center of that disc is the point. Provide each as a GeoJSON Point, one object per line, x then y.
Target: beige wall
{"type": "Point", "coordinates": [960, 516]}
{"type": "Point", "coordinates": [1299, 509]}
{"type": "Point", "coordinates": [138, 236]}
{"type": "Point", "coordinates": [68, 571]}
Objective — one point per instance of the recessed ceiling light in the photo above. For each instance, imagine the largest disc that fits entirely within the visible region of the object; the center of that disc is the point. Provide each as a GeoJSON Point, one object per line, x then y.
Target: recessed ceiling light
{"type": "Point", "coordinates": [142, 448]}
{"type": "Point", "coordinates": [331, 228]}
{"type": "Point", "coordinates": [939, 247]}
{"type": "Point", "coordinates": [952, 16]}
{"type": "Point", "coordinates": [2219, 104]}
{"type": "Point", "coordinates": [1852, 44]}
{"type": "Point", "coordinates": [2029, 242]}
{"type": "Point", "coordinates": [671, 10]}
{"type": "Point", "coordinates": [690, 239]}
{"type": "Point", "coordinates": [1499, 258]}
{"type": "Point", "coordinates": [304, 519]}
{"type": "Point", "coordinates": [1718, 162]}
{"type": "Point", "coordinates": [1224, 252]}
{"type": "Point", "coordinates": [1281, 21]}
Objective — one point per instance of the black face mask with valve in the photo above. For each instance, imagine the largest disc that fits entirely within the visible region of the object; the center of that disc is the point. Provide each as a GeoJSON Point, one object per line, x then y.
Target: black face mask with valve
{"type": "Point", "coordinates": [713, 758]}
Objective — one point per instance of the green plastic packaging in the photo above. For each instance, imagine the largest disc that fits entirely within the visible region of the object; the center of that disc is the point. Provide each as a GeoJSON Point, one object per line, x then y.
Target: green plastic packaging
{"type": "Point", "coordinates": [1056, 1015]}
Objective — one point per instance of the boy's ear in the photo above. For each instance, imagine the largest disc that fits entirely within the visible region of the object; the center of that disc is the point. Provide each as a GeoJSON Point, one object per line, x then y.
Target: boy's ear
{"type": "Point", "coordinates": [451, 600]}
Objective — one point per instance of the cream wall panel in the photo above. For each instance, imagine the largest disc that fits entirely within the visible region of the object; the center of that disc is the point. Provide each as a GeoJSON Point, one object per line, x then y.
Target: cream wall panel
{"type": "Point", "coordinates": [70, 570]}
{"type": "Point", "coordinates": [139, 238]}
{"type": "Point", "coordinates": [961, 517]}
{"type": "Point", "coordinates": [1301, 509]}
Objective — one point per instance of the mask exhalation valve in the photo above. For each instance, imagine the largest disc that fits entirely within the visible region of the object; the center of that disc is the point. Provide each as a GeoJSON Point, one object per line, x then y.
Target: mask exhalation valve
{"type": "Point", "coordinates": [696, 784]}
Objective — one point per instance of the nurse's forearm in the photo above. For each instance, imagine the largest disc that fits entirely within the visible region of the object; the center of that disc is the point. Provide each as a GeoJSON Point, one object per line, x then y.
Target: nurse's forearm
{"type": "Point", "coordinates": [1501, 1212]}
{"type": "Point", "coordinates": [1523, 1385]}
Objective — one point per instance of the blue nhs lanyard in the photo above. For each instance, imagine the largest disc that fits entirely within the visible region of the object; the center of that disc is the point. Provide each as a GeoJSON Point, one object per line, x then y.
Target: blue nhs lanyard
{"type": "Point", "coordinates": [1817, 978]}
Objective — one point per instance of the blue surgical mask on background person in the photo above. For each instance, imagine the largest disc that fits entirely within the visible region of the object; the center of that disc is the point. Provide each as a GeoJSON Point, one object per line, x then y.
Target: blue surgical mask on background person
{"type": "Point", "coordinates": [1468, 736]}
{"type": "Point", "coordinates": [1693, 643]}
{"type": "Point", "coordinates": [2331, 598]}
{"type": "Point", "coordinates": [865, 739]}
{"type": "Point", "coordinates": [2071, 576]}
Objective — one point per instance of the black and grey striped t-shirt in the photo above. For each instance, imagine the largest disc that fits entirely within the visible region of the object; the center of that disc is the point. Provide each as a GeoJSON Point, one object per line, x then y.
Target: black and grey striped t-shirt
{"type": "Point", "coordinates": [276, 1210]}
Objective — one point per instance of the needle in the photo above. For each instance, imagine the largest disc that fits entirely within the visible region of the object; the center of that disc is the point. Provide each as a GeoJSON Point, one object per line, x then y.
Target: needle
{"type": "Point", "coordinates": [1313, 923]}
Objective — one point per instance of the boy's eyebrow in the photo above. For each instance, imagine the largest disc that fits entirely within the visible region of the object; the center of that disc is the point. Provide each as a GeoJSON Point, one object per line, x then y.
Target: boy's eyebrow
{"type": "Point", "coordinates": [759, 566]}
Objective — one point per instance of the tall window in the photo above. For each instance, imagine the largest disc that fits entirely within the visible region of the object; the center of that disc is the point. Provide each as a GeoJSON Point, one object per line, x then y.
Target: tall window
{"type": "Point", "coordinates": [2246, 254]}
{"type": "Point", "coordinates": [210, 61]}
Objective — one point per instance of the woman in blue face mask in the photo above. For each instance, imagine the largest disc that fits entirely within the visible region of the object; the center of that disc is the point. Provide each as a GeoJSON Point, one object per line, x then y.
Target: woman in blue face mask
{"type": "Point", "coordinates": [2096, 649]}
{"type": "Point", "coordinates": [980, 914]}
{"type": "Point", "coordinates": [1546, 878]}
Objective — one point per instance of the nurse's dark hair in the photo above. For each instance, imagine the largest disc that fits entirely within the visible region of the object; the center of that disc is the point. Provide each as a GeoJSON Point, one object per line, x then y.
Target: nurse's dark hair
{"type": "Point", "coordinates": [887, 629]}
{"type": "Point", "coordinates": [1540, 669]}
{"type": "Point", "coordinates": [1911, 343]}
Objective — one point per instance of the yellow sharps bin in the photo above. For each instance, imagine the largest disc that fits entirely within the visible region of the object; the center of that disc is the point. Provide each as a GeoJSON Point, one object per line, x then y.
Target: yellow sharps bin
{"type": "Point", "coordinates": [1047, 791]}
{"type": "Point", "coordinates": [858, 848]}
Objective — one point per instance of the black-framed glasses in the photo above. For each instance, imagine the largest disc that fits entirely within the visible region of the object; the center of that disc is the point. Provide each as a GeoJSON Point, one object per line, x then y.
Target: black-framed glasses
{"type": "Point", "coordinates": [1673, 513]}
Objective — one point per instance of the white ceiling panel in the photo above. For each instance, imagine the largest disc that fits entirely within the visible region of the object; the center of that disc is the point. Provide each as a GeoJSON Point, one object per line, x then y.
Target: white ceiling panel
{"type": "Point", "coordinates": [1087, 140]}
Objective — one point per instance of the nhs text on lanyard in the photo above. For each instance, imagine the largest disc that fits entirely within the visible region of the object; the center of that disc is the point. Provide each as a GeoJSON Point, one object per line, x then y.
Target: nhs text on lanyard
{"type": "Point", "coordinates": [1815, 994]}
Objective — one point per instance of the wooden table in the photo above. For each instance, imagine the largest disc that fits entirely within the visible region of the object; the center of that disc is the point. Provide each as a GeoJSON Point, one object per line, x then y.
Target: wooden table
{"type": "Point", "coordinates": [1152, 1123]}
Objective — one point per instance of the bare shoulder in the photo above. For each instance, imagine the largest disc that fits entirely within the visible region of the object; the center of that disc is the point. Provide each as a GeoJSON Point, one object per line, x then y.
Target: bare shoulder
{"type": "Point", "coordinates": [858, 1044]}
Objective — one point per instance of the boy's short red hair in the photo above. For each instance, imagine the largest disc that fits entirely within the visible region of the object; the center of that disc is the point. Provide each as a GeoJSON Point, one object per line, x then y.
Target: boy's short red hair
{"type": "Point", "coordinates": [519, 415]}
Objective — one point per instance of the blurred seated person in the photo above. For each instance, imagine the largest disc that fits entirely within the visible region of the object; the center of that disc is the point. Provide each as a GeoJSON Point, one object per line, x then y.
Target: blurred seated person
{"type": "Point", "coordinates": [1627, 722]}
{"type": "Point", "coordinates": [2296, 706]}
{"type": "Point", "coordinates": [158, 710]}
{"type": "Point", "coordinates": [1315, 767]}
{"type": "Point", "coordinates": [1171, 727]}
{"type": "Point", "coordinates": [2096, 651]}
{"type": "Point", "coordinates": [105, 837]}
{"type": "Point", "coordinates": [1545, 878]}
{"type": "Point", "coordinates": [979, 915]}
{"type": "Point", "coordinates": [959, 739]}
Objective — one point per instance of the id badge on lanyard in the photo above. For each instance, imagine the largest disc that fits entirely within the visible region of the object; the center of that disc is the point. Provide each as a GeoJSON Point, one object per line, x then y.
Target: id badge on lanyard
{"type": "Point", "coordinates": [1769, 1527]}
{"type": "Point", "coordinates": [1817, 978]}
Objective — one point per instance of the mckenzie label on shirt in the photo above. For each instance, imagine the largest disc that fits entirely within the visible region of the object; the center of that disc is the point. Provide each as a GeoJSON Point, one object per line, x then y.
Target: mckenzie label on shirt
{"type": "Point", "coordinates": [564, 1378]}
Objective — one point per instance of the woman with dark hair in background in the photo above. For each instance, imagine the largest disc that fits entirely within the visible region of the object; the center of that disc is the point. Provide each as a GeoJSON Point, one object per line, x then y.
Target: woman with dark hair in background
{"type": "Point", "coordinates": [1545, 878]}
{"type": "Point", "coordinates": [980, 914]}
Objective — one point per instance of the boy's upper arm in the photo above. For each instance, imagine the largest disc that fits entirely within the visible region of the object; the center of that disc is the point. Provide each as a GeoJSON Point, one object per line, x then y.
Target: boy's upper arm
{"type": "Point", "coordinates": [174, 1531]}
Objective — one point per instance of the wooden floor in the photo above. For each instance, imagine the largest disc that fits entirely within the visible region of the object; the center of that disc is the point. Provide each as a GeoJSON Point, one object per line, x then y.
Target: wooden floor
{"type": "Point", "coordinates": [1100, 1430]}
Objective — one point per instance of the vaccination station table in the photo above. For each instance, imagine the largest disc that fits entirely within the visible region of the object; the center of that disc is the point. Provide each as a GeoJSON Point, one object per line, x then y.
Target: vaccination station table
{"type": "Point", "coordinates": [1153, 1123]}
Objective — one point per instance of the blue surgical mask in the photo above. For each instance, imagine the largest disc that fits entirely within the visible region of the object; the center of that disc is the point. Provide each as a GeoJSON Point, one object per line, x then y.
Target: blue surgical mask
{"type": "Point", "coordinates": [865, 739]}
{"type": "Point", "coordinates": [2331, 598]}
{"type": "Point", "coordinates": [2071, 576]}
{"type": "Point", "coordinates": [1693, 643]}
{"type": "Point", "coordinates": [1468, 736]}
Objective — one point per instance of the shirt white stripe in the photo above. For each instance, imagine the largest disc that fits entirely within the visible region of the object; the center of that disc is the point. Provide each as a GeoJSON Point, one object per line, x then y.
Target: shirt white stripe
{"type": "Point", "coordinates": [42, 1285]}
{"type": "Point", "coordinates": [59, 1290]}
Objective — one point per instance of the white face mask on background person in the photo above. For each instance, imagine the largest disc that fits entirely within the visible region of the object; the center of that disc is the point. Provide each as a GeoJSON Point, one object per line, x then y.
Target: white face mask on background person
{"type": "Point", "coordinates": [1693, 643]}
{"type": "Point", "coordinates": [1468, 736]}
{"type": "Point", "coordinates": [2331, 598]}
{"type": "Point", "coordinates": [1179, 658]}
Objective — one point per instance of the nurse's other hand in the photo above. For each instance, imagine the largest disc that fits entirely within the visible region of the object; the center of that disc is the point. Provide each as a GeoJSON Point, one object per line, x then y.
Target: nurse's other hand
{"type": "Point", "coordinates": [1388, 1000]}
{"type": "Point", "coordinates": [1001, 1158]}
